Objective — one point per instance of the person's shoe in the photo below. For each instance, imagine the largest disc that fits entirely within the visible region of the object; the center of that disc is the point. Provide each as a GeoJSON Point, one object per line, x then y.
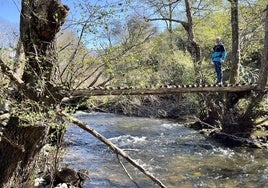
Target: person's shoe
{"type": "Point", "coordinates": [218, 83]}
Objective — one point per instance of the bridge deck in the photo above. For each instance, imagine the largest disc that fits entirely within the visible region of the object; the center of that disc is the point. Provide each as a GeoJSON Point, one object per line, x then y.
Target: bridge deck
{"type": "Point", "coordinates": [161, 90]}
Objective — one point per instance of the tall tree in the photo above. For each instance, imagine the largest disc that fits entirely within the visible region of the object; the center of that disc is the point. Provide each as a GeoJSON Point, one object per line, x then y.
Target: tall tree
{"type": "Point", "coordinates": [263, 76]}
{"type": "Point", "coordinates": [20, 144]}
{"type": "Point", "coordinates": [234, 76]}
{"type": "Point", "coordinates": [188, 25]}
{"type": "Point", "coordinates": [242, 123]}
{"type": "Point", "coordinates": [38, 28]}
{"type": "Point", "coordinates": [165, 9]}
{"type": "Point", "coordinates": [192, 46]}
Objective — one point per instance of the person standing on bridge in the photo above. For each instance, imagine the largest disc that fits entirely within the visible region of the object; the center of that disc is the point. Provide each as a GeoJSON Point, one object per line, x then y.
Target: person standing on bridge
{"type": "Point", "coordinates": [218, 57]}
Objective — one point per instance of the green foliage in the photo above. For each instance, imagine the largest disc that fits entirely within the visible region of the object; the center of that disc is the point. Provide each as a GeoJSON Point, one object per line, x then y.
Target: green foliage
{"type": "Point", "coordinates": [31, 113]}
{"type": "Point", "coordinates": [151, 64]}
{"type": "Point", "coordinates": [211, 26]}
{"type": "Point", "coordinates": [133, 54]}
{"type": "Point", "coordinates": [217, 23]}
{"type": "Point", "coordinates": [252, 32]}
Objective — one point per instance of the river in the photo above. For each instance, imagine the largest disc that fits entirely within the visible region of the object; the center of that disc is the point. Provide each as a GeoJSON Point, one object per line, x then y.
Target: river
{"type": "Point", "coordinates": [178, 156]}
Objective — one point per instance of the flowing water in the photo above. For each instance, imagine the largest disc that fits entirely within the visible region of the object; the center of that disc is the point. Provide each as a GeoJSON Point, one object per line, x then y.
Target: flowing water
{"type": "Point", "coordinates": [178, 156]}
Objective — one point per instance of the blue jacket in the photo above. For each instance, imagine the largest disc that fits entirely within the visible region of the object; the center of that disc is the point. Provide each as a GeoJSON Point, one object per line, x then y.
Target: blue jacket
{"type": "Point", "coordinates": [219, 53]}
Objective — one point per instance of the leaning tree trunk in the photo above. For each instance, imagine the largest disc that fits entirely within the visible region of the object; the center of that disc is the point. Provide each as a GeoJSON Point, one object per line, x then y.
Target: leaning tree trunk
{"type": "Point", "coordinates": [19, 146]}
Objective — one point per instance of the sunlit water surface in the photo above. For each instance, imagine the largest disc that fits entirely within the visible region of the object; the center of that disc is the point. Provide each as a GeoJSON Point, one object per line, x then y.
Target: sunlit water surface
{"type": "Point", "coordinates": [178, 156]}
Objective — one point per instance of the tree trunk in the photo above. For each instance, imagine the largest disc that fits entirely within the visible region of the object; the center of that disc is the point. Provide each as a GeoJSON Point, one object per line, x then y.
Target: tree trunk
{"type": "Point", "coordinates": [170, 28]}
{"type": "Point", "coordinates": [40, 21]}
{"type": "Point", "coordinates": [38, 28]}
{"type": "Point", "coordinates": [19, 146]}
{"type": "Point", "coordinates": [193, 46]}
{"type": "Point", "coordinates": [231, 123]}
{"type": "Point", "coordinates": [234, 73]}
{"type": "Point", "coordinates": [263, 76]}
{"type": "Point", "coordinates": [19, 59]}
{"type": "Point", "coordinates": [18, 149]}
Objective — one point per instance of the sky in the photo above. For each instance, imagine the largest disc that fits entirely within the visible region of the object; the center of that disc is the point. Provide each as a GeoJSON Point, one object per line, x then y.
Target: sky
{"type": "Point", "coordinates": [10, 9]}
{"type": "Point", "coordinates": [10, 19]}
{"type": "Point", "coordinates": [10, 12]}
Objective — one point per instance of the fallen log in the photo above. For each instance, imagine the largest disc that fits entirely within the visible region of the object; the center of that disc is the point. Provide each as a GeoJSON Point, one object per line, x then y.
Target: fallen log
{"type": "Point", "coordinates": [113, 147]}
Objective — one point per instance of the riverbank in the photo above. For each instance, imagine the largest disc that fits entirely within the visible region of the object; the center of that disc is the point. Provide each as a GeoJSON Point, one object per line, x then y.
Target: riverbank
{"type": "Point", "coordinates": [167, 106]}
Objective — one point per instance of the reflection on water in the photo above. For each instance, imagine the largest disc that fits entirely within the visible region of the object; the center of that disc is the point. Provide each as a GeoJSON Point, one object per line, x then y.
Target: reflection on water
{"type": "Point", "coordinates": [178, 156]}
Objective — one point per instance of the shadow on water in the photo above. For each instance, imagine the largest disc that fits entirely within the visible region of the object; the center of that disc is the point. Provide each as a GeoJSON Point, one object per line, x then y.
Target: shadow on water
{"type": "Point", "coordinates": [178, 156]}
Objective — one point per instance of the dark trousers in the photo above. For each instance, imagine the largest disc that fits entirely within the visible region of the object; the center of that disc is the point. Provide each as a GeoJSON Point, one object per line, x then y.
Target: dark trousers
{"type": "Point", "coordinates": [218, 70]}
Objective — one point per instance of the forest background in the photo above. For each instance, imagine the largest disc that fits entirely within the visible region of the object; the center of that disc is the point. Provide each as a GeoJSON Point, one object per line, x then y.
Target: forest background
{"type": "Point", "coordinates": [134, 43]}
{"type": "Point", "coordinates": [139, 44]}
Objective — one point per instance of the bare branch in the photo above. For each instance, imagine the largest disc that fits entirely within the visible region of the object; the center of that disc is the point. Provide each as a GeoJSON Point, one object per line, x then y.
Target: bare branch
{"type": "Point", "coordinates": [262, 121]}
{"type": "Point", "coordinates": [65, 46]}
{"type": "Point", "coordinates": [130, 177]}
{"type": "Point", "coordinates": [76, 49]}
{"type": "Point", "coordinates": [89, 76]}
{"type": "Point", "coordinates": [183, 23]}
{"type": "Point", "coordinates": [95, 80]}
{"type": "Point", "coordinates": [105, 82]}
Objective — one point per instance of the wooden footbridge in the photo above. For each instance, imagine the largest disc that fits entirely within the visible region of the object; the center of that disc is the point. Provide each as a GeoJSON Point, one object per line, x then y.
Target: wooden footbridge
{"type": "Point", "coordinates": [162, 90]}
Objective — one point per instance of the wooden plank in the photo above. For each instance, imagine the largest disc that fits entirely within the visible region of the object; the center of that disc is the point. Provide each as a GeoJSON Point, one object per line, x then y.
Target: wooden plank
{"type": "Point", "coordinates": [160, 90]}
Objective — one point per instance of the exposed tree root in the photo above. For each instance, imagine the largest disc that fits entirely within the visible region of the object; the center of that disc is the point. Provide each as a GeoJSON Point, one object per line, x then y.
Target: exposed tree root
{"type": "Point", "coordinates": [227, 139]}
